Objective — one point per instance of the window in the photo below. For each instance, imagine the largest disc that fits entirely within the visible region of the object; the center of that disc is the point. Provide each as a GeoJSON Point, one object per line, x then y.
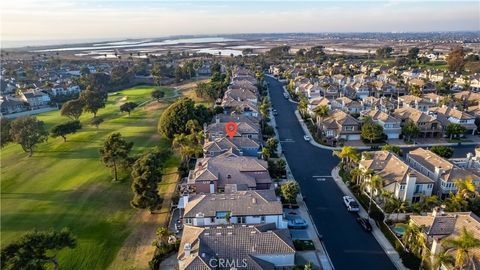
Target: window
{"type": "Point", "coordinates": [262, 219]}
{"type": "Point", "coordinates": [348, 128]}
{"type": "Point", "coordinates": [402, 187]}
{"type": "Point", "coordinates": [188, 220]}
{"type": "Point", "coordinates": [212, 219]}
{"type": "Point", "coordinates": [241, 220]}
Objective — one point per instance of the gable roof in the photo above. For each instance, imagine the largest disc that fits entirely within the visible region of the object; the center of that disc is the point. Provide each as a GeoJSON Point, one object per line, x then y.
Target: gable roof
{"type": "Point", "coordinates": [234, 242]}
{"type": "Point", "coordinates": [240, 203]}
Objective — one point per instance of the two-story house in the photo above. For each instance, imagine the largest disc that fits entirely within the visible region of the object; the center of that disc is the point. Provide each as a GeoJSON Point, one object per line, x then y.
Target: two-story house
{"type": "Point", "coordinates": [440, 170]}
{"type": "Point", "coordinates": [404, 182]}
{"type": "Point", "coordinates": [338, 125]}
{"type": "Point", "coordinates": [215, 174]}
{"type": "Point", "coordinates": [447, 115]}
{"type": "Point", "coordinates": [241, 207]}
{"type": "Point", "coordinates": [427, 124]}
{"type": "Point", "coordinates": [390, 124]}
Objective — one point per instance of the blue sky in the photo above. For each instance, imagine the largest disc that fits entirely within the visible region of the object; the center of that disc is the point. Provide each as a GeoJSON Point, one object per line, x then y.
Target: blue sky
{"type": "Point", "coordinates": [88, 19]}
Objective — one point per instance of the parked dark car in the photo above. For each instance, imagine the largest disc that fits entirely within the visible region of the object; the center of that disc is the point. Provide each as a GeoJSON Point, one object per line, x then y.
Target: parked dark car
{"type": "Point", "coordinates": [296, 222]}
{"type": "Point", "coordinates": [365, 224]}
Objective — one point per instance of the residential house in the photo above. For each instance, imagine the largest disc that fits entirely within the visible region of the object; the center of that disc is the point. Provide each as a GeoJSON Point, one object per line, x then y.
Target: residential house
{"type": "Point", "coordinates": [240, 207]}
{"type": "Point", "coordinates": [315, 102]}
{"type": "Point", "coordinates": [244, 107]}
{"type": "Point", "coordinates": [410, 101]}
{"type": "Point", "coordinates": [390, 124]}
{"type": "Point", "coordinates": [439, 225]}
{"type": "Point", "coordinates": [337, 126]}
{"type": "Point", "coordinates": [241, 94]}
{"type": "Point", "coordinates": [253, 247]}
{"type": "Point", "coordinates": [347, 105]}
{"type": "Point", "coordinates": [441, 170]}
{"type": "Point", "coordinates": [428, 125]}
{"type": "Point", "coordinates": [404, 182]}
{"type": "Point", "coordinates": [447, 115]}
{"type": "Point", "coordinates": [36, 99]}
{"type": "Point", "coordinates": [213, 174]}
{"type": "Point", "coordinates": [11, 105]}
{"type": "Point", "coordinates": [242, 146]}
{"type": "Point", "coordinates": [245, 128]}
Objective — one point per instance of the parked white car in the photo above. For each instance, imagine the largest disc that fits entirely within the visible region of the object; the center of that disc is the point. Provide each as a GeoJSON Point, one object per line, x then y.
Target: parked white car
{"type": "Point", "coordinates": [306, 138]}
{"type": "Point", "coordinates": [351, 204]}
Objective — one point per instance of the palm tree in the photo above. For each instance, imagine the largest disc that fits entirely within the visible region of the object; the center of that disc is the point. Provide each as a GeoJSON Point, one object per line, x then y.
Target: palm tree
{"type": "Point", "coordinates": [356, 173]}
{"type": "Point", "coordinates": [462, 246]}
{"type": "Point", "coordinates": [442, 257]}
{"type": "Point", "coordinates": [397, 206]}
{"type": "Point", "coordinates": [466, 188]}
{"type": "Point", "coordinates": [374, 185]}
{"type": "Point", "coordinates": [302, 106]}
{"type": "Point", "coordinates": [427, 203]}
{"type": "Point", "coordinates": [348, 154]}
{"type": "Point", "coordinates": [162, 237]}
{"type": "Point", "coordinates": [321, 111]}
{"type": "Point", "coordinates": [188, 145]}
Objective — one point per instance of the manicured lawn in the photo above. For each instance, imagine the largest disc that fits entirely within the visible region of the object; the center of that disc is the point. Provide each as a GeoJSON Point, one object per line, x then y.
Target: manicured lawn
{"type": "Point", "coordinates": [65, 184]}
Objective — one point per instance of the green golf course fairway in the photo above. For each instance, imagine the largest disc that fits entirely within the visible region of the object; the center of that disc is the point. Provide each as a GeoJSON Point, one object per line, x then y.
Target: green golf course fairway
{"type": "Point", "coordinates": [66, 185]}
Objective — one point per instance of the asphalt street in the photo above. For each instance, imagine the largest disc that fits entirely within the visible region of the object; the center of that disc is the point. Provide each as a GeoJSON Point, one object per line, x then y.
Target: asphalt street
{"type": "Point", "coordinates": [348, 246]}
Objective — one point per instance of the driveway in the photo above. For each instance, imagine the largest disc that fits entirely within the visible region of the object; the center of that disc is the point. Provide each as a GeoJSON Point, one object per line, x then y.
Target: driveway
{"type": "Point", "coordinates": [348, 246]}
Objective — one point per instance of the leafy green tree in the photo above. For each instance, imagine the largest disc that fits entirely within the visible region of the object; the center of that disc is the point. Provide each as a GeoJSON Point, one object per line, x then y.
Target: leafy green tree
{"type": "Point", "coordinates": [410, 130]}
{"type": "Point", "coordinates": [462, 246]}
{"type": "Point", "coordinates": [158, 95]}
{"type": "Point", "coordinates": [162, 234]}
{"type": "Point", "coordinates": [84, 71]}
{"type": "Point", "coordinates": [442, 150]}
{"type": "Point", "coordinates": [265, 107]}
{"type": "Point", "coordinates": [128, 107]}
{"type": "Point", "coordinates": [115, 152]}
{"type": "Point", "coordinates": [456, 60]}
{"type": "Point", "coordinates": [28, 132]}
{"type": "Point", "coordinates": [384, 52]}
{"type": "Point", "coordinates": [454, 130]}
{"type": "Point", "coordinates": [277, 169]}
{"type": "Point", "coordinates": [36, 250]}
{"type": "Point", "coordinates": [92, 100]}
{"type": "Point", "coordinates": [290, 190]}
{"type": "Point", "coordinates": [5, 137]}
{"type": "Point", "coordinates": [188, 145]}
{"type": "Point", "coordinates": [96, 121]}
{"type": "Point", "coordinates": [72, 109]}
{"type": "Point", "coordinates": [392, 148]}
{"type": "Point", "coordinates": [174, 118]}
{"type": "Point", "coordinates": [371, 131]}
{"type": "Point", "coordinates": [146, 175]}
{"type": "Point", "coordinates": [412, 53]}
{"type": "Point", "coordinates": [62, 130]}
{"type": "Point", "coordinates": [272, 145]}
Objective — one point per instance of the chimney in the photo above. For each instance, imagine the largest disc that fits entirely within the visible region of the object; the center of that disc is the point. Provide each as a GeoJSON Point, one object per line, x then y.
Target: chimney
{"type": "Point", "coordinates": [410, 187]}
{"type": "Point", "coordinates": [212, 187]}
{"type": "Point", "coordinates": [438, 211]}
{"type": "Point", "coordinates": [439, 171]}
{"type": "Point", "coordinates": [187, 249]}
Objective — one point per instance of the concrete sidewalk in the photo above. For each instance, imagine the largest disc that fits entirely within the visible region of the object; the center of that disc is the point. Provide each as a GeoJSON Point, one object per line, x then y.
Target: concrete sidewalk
{"type": "Point", "coordinates": [377, 233]}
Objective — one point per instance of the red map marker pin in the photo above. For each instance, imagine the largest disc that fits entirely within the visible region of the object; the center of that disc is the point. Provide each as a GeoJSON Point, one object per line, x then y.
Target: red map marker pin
{"type": "Point", "coordinates": [231, 129]}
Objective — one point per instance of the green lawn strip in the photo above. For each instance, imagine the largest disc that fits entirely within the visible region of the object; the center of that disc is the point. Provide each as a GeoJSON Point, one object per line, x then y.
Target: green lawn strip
{"type": "Point", "coordinates": [65, 184]}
